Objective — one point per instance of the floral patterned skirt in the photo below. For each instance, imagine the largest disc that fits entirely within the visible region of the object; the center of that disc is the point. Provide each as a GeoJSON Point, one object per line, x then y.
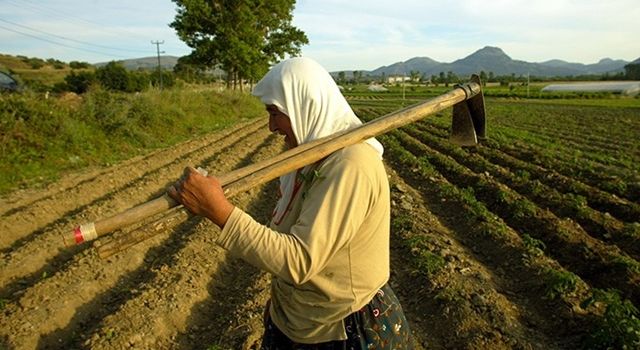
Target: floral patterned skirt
{"type": "Point", "coordinates": [381, 324]}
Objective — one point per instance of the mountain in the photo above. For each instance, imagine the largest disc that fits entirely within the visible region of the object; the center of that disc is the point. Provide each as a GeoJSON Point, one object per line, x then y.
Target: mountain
{"type": "Point", "coordinates": [415, 64]}
{"type": "Point", "coordinates": [148, 63]}
{"type": "Point", "coordinates": [493, 59]}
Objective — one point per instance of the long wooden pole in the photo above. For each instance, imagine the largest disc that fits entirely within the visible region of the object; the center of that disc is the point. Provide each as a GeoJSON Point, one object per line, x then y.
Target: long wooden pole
{"type": "Point", "coordinates": [245, 178]}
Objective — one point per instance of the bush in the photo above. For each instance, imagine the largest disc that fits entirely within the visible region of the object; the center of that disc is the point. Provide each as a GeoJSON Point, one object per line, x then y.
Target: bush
{"type": "Point", "coordinates": [113, 76]}
{"type": "Point", "coordinates": [79, 65]}
{"type": "Point", "coordinates": [79, 82]}
{"type": "Point", "coordinates": [35, 63]}
{"type": "Point", "coordinates": [168, 79]}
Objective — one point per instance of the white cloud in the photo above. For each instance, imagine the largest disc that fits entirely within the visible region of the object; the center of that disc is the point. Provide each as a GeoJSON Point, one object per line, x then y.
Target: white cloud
{"type": "Point", "coordinates": [366, 35]}
{"type": "Point", "coordinates": [356, 34]}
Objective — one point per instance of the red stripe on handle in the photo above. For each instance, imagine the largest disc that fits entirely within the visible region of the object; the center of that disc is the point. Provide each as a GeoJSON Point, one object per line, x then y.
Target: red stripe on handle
{"type": "Point", "coordinates": [78, 234]}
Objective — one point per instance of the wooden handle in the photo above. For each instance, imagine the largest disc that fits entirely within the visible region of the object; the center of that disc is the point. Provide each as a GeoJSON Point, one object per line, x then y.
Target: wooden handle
{"type": "Point", "coordinates": [245, 178]}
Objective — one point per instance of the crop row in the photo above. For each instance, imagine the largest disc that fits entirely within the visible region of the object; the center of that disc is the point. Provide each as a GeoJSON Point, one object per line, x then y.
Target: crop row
{"type": "Point", "coordinates": [619, 181]}
{"type": "Point", "coordinates": [562, 289]}
{"type": "Point", "coordinates": [622, 209]}
{"type": "Point", "coordinates": [617, 123]}
{"type": "Point", "coordinates": [602, 265]}
{"type": "Point", "coordinates": [597, 224]}
{"type": "Point", "coordinates": [600, 142]}
{"type": "Point", "coordinates": [607, 154]}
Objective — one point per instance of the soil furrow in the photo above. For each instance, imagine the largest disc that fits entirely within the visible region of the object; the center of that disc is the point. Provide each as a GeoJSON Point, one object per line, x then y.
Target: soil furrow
{"type": "Point", "coordinates": [89, 289]}
{"type": "Point", "coordinates": [600, 264]}
{"type": "Point", "coordinates": [183, 281]}
{"type": "Point", "coordinates": [24, 259]}
{"type": "Point", "coordinates": [21, 200]}
{"type": "Point", "coordinates": [596, 224]}
{"type": "Point", "coordinates": [602, 201]}
{"type": "Point", "coordinates": [530, 319]}
{"type": "Point", "coordinates": [43, 213]}
{"type": "Point", "coordinates": [452, 308]}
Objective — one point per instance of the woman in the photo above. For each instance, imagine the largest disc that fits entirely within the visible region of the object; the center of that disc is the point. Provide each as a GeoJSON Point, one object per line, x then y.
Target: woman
{"type": "Point", "coordinates": [327, 245]}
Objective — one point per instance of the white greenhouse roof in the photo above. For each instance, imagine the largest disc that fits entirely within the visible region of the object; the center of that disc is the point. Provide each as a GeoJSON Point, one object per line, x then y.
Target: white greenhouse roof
{"type": "Point", "coordinates": [377, 88]}
{"type": "Point", "coordinates": [622, 87]}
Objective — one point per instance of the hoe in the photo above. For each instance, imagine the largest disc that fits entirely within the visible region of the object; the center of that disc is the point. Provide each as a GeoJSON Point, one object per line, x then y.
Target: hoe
{"type": "Point", "coordinates": [468, 126]}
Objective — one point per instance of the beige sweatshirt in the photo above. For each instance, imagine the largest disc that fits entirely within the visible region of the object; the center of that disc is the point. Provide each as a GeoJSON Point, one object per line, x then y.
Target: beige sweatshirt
{"type": "Point", "coordinates": [330, 253]}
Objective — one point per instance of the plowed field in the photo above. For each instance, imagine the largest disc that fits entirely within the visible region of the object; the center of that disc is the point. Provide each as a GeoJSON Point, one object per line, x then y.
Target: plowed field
{"type": "Point", "coordinates": [495, 247]}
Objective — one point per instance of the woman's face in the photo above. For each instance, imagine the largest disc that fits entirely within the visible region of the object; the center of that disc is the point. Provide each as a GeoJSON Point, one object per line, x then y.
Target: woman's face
{"type": "Point", "coordinates": [280, 123]}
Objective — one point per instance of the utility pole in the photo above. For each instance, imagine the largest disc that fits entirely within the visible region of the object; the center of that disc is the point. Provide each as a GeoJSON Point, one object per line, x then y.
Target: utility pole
{"type": "Point", "coordinates": [157, 44]}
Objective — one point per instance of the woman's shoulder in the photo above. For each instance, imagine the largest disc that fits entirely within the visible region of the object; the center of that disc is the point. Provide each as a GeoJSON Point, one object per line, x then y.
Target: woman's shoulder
{"type": "Point", "coordinates": [360, 157]}
{"type": "Point", "coordinates": [359, 153]}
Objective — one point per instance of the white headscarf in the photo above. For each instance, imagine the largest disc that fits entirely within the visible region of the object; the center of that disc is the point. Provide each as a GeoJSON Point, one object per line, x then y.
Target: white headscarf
{"type": "Point", "coordinates": [305, 92]}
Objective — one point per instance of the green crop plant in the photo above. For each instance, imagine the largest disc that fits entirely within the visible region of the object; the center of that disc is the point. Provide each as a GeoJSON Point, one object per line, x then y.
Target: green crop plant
{"type": "Point", "coordinates": [559, 283]}
{"type": "Point", "coordinates": [523, 208]}
{"type": "Point", "coordinates": [534, 247]}
{"type": "Point", "coordinates": [619, 326]}
{"type": "Point", "coordinates": [631, 230]}
{"type": "Point", "coordinates": [402, 223]}
{"type": "Point", "coordinates": [627, 263]}
{"type": "Point", "coordinates": [429, 263]}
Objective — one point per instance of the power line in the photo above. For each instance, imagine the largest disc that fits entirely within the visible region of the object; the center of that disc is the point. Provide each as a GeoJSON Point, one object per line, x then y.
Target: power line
{"type": "Point", "coordinates": [59, 44]}
{"type": "Point", "coordinates": [74, 40]}
{"type": "Point", "coordinates": [56, 13]}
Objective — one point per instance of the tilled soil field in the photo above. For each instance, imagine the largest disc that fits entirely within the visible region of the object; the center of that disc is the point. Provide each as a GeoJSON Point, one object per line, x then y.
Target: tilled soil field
{"type": "Point", "coordinates": [464, 283]}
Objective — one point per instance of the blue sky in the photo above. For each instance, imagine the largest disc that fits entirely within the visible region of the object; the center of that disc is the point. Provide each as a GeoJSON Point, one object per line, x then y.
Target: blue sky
{"type": "Point", "coordinates": [343, 35]}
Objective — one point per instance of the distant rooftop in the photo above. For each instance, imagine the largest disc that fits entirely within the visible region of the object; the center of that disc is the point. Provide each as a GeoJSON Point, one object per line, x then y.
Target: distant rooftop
{"type": "Point", "coordinates": [630, 88]}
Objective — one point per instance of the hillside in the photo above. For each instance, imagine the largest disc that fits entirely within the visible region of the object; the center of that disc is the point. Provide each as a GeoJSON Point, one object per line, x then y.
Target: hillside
{"type": "Point", "coordinates": [167, 62]}
{"type": "Point", "coordinates": [46, 72]}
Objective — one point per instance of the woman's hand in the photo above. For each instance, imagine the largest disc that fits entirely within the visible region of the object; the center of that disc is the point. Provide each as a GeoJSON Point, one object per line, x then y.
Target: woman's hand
{"type": "Point", "coordinates": [202, 195]}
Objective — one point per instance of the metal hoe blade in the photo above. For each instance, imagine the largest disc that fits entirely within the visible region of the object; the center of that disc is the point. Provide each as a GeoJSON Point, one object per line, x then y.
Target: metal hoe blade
{"type": "Point", "coordinates": [469, 123]}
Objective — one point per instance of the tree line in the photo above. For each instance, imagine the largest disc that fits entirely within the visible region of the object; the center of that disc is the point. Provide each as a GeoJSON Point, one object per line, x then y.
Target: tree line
{"type": "Point", "coordinates": [632, 72]}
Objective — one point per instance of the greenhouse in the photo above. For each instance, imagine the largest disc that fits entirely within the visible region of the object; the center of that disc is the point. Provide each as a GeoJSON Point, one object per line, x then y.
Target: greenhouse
{"type": "Point", "coordinates": [630, 88]}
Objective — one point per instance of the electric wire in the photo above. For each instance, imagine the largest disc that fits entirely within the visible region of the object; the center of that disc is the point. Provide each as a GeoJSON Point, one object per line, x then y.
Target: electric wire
{"type": "Point", "coordinates": [59, 14]}
{"type": "Point", "coordinates": [74, 40]}
{"type": "Point", "coordinates": [71, 18]}
{"type": "Point", "coordinates": [60, 44]}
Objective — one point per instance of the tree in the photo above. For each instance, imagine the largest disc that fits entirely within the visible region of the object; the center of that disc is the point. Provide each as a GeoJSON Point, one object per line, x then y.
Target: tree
{"type": "Point", "coordinates": [451, 78]}
{"type": "Point", "coordinates": [341, 77]}
{"type": "Point", "coordinates": [483, 78]}
{"type": "Point", "coordinates": [632, 71]}
{"type": "Point", "coordinates": [415, 75]}
{"type": "Point", "coordinates": [244, 37]}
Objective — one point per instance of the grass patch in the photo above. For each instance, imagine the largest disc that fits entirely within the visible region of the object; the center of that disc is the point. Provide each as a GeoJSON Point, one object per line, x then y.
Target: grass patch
{"type": "Point", "coordinates": [41, 138]}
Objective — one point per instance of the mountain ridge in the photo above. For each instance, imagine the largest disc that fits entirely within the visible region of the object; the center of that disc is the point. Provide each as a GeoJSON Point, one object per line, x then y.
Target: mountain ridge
{"type": "Point", "coordinates": [494, 59]}
{"type": "Point", "coordinates": [487, 59]}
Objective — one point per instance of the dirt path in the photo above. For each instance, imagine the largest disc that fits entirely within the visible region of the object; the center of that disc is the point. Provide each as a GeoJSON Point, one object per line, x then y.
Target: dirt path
{"type": "Point", "coordinates": [178, 290]}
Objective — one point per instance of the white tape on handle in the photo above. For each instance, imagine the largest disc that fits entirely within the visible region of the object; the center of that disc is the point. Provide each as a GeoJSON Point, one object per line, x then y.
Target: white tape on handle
{"type": "Point", "coordinates": [86, 232]}
{"type": "Point", "coordinates": [202, 171]}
